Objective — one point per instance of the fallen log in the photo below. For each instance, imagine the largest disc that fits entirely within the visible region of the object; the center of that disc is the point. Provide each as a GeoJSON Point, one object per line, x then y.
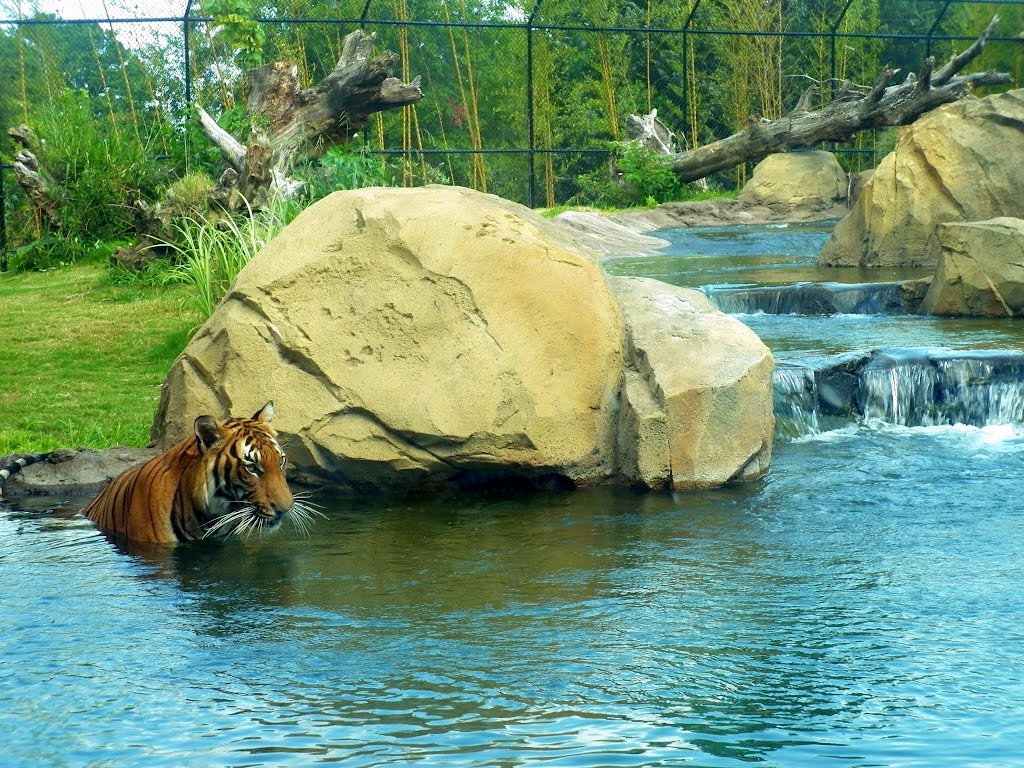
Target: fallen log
{"type": "Point", "coordinates": [854, 108]}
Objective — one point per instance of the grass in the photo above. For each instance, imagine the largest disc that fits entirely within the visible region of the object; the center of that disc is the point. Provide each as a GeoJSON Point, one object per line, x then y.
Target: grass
{"type": "Point", "coordinates": [82, 360]}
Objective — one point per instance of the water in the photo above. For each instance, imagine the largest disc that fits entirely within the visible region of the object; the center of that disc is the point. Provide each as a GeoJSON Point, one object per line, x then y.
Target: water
{"type": "Point", "coordinates": [734, 256]}
{"type": "Point", "coordinates": [860, 606]}
{"type": "Point", "coordinates": [870, 617]}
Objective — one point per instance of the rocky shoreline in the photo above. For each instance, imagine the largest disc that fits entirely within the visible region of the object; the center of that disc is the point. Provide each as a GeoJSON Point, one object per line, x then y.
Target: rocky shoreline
{"type": "Point", "coordinates": [73, 472]}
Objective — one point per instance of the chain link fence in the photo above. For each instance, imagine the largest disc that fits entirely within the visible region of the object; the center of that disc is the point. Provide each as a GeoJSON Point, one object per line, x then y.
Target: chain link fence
{"type": "Point", "coordinates": [520, 99]}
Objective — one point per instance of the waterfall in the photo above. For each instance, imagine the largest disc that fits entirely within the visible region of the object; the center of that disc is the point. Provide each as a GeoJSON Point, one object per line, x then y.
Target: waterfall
{"type": "Point", "coordinates": [816, 299]}
{"type": "Point", "coordinates": [921, 389]}
{"type": "Point", "coordinates": [911, 388]}
{"type": "Point", "coordinates": [796, 402]}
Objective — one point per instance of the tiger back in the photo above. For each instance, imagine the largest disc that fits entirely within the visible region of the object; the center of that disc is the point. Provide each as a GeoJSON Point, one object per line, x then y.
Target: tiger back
{"type": "Point", "coordinates": [227, 478]}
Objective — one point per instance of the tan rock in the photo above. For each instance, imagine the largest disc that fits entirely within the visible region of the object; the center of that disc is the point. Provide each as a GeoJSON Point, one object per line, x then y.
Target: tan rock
{"type": "Point", "coordinates": [407, 337]}
{"type": "Point", "coordinates": [697, 401]}
{"type": "Point", "coordinates": [980, 271]}
{"type": "Point", "coordinates": [958, 163]}
{"type": "Point", "coordinates": [606, 237]}
{"type": "Point", "coordinates": [417, 338]}
{"type": "Point", "coordinates": [805, 180]}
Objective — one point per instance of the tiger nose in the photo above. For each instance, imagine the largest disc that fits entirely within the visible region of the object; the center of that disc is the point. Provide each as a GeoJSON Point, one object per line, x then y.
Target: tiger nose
{"type": "Point", "coordinates": [282, 502]}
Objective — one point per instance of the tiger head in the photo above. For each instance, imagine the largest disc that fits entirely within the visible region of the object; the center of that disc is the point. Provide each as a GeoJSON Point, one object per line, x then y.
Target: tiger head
{"type": "Point", "coordinates": [242, 485]}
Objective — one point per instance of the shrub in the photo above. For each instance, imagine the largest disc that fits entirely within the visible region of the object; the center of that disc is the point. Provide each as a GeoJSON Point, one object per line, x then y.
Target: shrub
{"type": "Point", "coordinates": [99, 166]}
{"type": "Point", "coordinates": [641, 177]}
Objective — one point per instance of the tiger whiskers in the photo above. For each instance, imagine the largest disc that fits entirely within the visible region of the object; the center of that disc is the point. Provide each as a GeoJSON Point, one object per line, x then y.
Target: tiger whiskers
{"type": "Point", "coordinates": [237, 521]}
{"type": "Point", "coordinates": [302, 513]}
{"type": "Point", "coordinates": [244, 519]}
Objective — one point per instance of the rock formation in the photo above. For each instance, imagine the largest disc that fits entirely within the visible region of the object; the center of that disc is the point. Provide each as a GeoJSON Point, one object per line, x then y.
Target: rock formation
{"type": "Point", "coordinates": [980, 271]}
{"type": "Point", "coordinates": [697, 392]}
{"type": "Point", "coordinates": [798, 180]}
{"type": "Point", "coordinates": [423, 338]}
{"type": "Point", "coordinates": [953, 165]}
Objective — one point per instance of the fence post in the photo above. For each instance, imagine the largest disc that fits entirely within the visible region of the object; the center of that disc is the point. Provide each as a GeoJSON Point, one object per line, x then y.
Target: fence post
{"type": "Point", "coordinates": [531, 150]}
{"type": "Point", "coordinates": [832, 45]}
{"type": "Point", "coordinates": [938, 20]}
{"type": "Point", "coordinates": [686, 63]}
{"type": "Point", "coordinates": [187, 57]}
{"type": "Point", "coordinates": [3, 220]}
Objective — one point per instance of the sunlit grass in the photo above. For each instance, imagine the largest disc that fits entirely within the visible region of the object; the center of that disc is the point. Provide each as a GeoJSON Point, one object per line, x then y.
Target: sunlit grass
{"type": "Point", "coordinates": [81, 360]}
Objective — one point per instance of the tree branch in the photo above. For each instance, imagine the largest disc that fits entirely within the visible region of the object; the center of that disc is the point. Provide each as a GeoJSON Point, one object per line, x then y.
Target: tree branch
{"type": "Point", "coordinates": [289, 122]}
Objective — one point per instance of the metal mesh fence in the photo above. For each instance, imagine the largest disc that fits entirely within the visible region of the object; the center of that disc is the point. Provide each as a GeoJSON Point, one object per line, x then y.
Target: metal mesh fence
{"type": "Point", "coordinates": [520, 99]}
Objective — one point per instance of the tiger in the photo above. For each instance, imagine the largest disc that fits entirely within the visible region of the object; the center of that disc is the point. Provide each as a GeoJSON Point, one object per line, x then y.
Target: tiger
{"type": "Point", "coordinates": [227, 478]}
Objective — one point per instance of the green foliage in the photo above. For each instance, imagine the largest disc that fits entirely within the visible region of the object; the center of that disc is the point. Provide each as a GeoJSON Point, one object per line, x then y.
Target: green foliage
{"type": "Point", "coordinates": [98, 168]}
{"type": "Point", "coordinates": [348, 167]}
{"type": "Point", "coordinates": [641, 177]}
{"type": "Point", "coordinates": [189, 194]}
{"type": "Point", "coordinates": [355, 166]}
{"type": "Point", "coordinates": [235, 25]}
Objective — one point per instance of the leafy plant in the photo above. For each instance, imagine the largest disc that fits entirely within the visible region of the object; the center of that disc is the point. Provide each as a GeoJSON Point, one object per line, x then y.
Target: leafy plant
{"type": "Point", "coordinates": [636, 176]}
{"type": "Point", "coordinates": [236, 25]}
{"type": "Point", "coordinates": [97, 171]}
{"type": "Point", "coordinates": [348, 167]}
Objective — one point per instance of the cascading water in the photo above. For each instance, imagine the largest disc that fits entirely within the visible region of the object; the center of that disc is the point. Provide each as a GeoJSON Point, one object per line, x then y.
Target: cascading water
{"type": "Point", "coordinates": [891, 298]}
{"type": "Point", "coordinates": [932, 389]}
{"type": "Point", "coordinates": [911, 388]}
{"type": "Point", "coordinates": [847, 344]}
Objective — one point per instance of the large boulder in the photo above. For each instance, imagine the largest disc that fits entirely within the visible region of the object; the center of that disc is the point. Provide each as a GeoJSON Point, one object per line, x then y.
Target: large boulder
{"type": "Point", "coordinates": [954, 164]}
{"type": "Point", "coordinates": [798, 180]}
{"type": "Point", "coordinates": [980, 271]}
{"type": "Point", "coordinates": [697, 392]}
{"type": "Point", "coordinates": [422, 338]}
{"type": "Point", "coordinates": [410, 337]}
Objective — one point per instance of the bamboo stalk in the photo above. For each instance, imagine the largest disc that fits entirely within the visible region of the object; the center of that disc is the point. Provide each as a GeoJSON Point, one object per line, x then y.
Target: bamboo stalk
{"type": "Point", "coordinates": [124, 75]}
{"type": "Point", "coordinates": [456, 63]}
{"type": "Point", "coordinates": [607, 80]}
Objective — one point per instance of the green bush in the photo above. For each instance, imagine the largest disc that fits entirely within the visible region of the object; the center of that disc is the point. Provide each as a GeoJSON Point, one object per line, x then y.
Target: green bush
{"type": "Point", "coordinates": [347, 167]}
{"type": "Point", "coordinates": [98, 167]}
{"type": "Point", "coordinates": [636, 176]}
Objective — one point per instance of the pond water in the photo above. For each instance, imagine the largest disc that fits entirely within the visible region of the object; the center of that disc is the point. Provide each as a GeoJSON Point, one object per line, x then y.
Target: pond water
{"type": "Point", "coordinates": [860, 606]}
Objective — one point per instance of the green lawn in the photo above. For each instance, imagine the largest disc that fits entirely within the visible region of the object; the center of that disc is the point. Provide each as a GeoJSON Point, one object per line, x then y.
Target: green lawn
{"type": "Point", "coordinates": [82, 360]}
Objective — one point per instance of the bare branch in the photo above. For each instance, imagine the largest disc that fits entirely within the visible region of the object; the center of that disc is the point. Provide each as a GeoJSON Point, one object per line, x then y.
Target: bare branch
{"type": "Point", "coordinates": [229, 146]}
{"type": "Point", "coordinates": [961, 60]}
{"type": "Point", "coordinates": [850, 111]}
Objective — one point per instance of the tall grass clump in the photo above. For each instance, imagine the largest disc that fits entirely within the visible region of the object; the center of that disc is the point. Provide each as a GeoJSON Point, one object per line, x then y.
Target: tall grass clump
{"type": "Point", "coordinates": [209, 251]}
{"type": "Point", "coordinates": [95, 173]}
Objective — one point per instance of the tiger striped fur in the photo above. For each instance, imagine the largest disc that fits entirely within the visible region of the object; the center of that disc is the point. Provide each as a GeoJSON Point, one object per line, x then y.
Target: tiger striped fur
{"type": "Point", "coordinates": [227, 478]}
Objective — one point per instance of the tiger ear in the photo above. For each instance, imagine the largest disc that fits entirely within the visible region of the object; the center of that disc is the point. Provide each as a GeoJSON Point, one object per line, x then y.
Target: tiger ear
{"type": "Point", "coordinates": [264, 414]}
{"type": "Point", "coordinates": [207, 431]}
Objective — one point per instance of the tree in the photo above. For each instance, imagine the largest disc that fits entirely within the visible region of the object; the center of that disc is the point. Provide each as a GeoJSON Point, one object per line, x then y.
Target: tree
{"type": "Point", "coordinates": [288, 123]}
